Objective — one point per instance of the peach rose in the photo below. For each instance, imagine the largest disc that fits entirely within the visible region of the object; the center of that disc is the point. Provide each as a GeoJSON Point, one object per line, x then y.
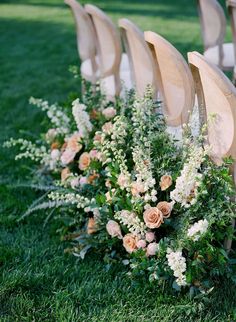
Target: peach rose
{"type": "Point", "coordinates": [73, 143]}
{"type": "Point", "coordinates": [153, 217]}
{"type": "Point", "coordinates": [130, 243]}
{"type": "Point", "coordinates": [136, 188]}
{"type": "Point", "coordinates": [107, 127]}
{"type": "Point", "coordinates": [84, 161]}
{"type": "Point", "coordinates": [150, 236]}
{"type": "Point", "coordinates": [113, 229]}
{"type": "Point", "coordinates": [152, 249]}
{"type": "Point", "coordinates": [165, 207]}
{"type": "Point", "coordinates": [141, 243]}
{"type": "Point", "coordinates": [91, 227]}
{"type": "Point", "coordinates": [165, 182]}
{"type": "Point", "coordinates": [67, 156]}
{"type": "Point", "coordinates": [109, 112]}
{"type": "Point", "coordinates": [65, 174]}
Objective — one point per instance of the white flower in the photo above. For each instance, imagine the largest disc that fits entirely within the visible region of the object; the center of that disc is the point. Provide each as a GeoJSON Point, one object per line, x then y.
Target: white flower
{"type": "Point", "coordinates": [81, 117]}
{"type": "Point", "coordinates": [132, 221]}
{"type": "Point", "coordinates": [198, 229]}
{"type": "Point", "coordinates": [55, 154]}
{"type": "Point", "coordinates": [187, 183]}
{"type": "Point", "coordinates": [178, 265]}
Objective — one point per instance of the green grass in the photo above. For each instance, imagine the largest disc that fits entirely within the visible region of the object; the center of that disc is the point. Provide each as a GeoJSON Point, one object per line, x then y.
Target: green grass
{"type": "Point", "coordinates": [38, 282]}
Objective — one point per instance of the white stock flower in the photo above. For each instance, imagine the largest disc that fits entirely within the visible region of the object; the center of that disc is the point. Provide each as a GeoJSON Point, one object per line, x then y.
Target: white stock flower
{"type": "Point", "coordinates": [81, 117]}
{"type": "Point", "coordinates": [178, 265]}
{"type": "Point", "coordinates": [198, 229]}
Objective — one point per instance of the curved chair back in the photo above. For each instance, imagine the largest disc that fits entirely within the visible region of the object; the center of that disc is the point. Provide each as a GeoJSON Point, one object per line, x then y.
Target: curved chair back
{"type": "Point", "coordinates": [213, 25]}
{"type": "Point", "coordinates": [109, 45]}
{"type": "Point", "coordinates": [140, 57]}
{"type": "Point", "coordinates": [174, 80]}
{"type": "Point", "coordinates": [232, 13]}
{"type": "Point", "coordinates": [86, 37]}
{"type": "Point", "coordinates": [216, 95]}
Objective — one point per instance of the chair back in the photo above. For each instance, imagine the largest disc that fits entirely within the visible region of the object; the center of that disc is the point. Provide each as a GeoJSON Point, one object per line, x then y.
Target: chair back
{"type": "Point", "coordinates": [213, 23]}
{"type": "Point", "coordinates": [216, 96]}
{"type": "Point", "coordinates": [231, 4]}
{"type": "Point", "coordinates": [140, 57]}
{"type": "Point", "coordinates": [86, 38]}
{"type": "Point", "coordinates": [174, 80]}
{"type": "Point", "coordinates": [108, 44]}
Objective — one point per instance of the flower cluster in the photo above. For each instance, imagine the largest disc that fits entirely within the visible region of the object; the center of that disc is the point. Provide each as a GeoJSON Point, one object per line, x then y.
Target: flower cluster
{"type": "Point", "coordinates": [178, 265]}
{"type": "Point", "coordinates": [137, 191]}
{"type": "Point", "coordinates": [198, 229]}
{"type": "Point", "coordinates": [81, 118]}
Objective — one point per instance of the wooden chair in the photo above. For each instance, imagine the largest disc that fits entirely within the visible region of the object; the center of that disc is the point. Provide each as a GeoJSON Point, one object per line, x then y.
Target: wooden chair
{"type": "Point", "coordinates": [86, 41]}
{"type": "Point", "coordinates": [216, 95]}
{"type": "Point", "coordinates": [113, 65]}
{"type": "Point", "coordinates": [231, 4]}
{"type": "Point", "coordinates": [174, 80]}
{"type": "Point", "coordinates": [213, 25]}
{"type": "Point", "coordinates": [141, 62]}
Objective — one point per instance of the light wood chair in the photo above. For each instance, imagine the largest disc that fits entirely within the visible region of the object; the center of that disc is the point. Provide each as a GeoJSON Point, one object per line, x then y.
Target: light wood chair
{"type": "Point", "coordinates": [213, 25]}
{"type": "Point", "coordinates": [231, 4]}
{"type": "Point", "coordinates": [216, 95]}
{"type": "Point", "coordinates": [113, 65]}
{"type": "Point", "coordinates": [86, 41]}
{"type": "Point", "coordinates": [140, 57]}
{"type": "Point", "coordinates": [174, 80]}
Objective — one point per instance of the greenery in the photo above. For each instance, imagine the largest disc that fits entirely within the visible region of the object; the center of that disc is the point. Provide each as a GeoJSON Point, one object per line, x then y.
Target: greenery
{"type": "Point", "coordinates": [39, 281]}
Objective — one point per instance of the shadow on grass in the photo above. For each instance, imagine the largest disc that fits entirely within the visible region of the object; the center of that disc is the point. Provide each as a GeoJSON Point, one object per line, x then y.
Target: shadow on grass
{"type": "Point", "coordinates": [165, 8]}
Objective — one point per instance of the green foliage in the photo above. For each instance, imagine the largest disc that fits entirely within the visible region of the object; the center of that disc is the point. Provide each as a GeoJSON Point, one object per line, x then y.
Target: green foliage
{"type": "Point", "coordinates": [38, 281]}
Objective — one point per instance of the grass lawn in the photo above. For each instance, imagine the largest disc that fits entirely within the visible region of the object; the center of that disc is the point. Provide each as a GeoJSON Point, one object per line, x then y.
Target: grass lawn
{"type": "Point", "coordinates": [38, 282]}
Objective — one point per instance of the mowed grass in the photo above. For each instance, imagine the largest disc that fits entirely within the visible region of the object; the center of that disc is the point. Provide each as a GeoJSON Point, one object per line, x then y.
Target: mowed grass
{"type": "Point", "coordinates": [38, 281]}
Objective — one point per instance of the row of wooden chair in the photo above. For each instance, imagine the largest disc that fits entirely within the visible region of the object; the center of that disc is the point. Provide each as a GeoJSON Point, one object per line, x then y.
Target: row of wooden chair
{"type": "Point", "coordinates": [152, 60]}
{"type": "Point", "coordinates": [213, 25]}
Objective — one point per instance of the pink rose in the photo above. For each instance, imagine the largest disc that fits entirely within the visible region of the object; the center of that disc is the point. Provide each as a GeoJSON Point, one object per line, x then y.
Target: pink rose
{"type": "Point", "coordinates": [130, 243]}
{"type": "Point", "coordinates": [84, 161]}
{"type": "Point", "coordinates": [113, 229]}
{"type": "Point", "coordinates": [73, 143]}
{"type": "Point", "coordinates": [150, 236]}
{"type": "Point", "coordinates": [67, 156]}
{"type": "Point", "coordinates": [153, 217]}
{"type": "Point", "coordinates": [65, 173]}
{"type": "Point", "coordinates": [141, 243]}
{"type": "Point", "coordinates": [94, 154]}
{"type": "Point", "coordinates": [152, 249]}
{"type": "Point", "coordinates": [109, 112]}
{"type": "Point", "coordinates": [74, 183]}
{"type": "Point", "coordinates": [165, 182]}
{"type": "Point", "coordinates": [83, 180]}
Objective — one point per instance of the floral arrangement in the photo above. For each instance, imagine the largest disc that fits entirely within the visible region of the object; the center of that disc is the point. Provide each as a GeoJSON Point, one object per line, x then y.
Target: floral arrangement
{"type": "Point", "coordinates": [133, 194]}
